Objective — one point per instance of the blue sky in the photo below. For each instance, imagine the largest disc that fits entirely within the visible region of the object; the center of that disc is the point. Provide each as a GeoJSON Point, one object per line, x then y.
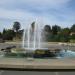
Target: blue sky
{"type": "Point", "coordinates": [60, 12]}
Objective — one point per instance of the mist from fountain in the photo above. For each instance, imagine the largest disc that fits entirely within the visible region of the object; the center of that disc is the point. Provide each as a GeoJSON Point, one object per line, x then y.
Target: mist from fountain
{"type": "Point", "coordinates": [32, 38]}
{"type": "Point", "coordinates": [28, 37]}
{"type": "Point", "coordinates": [23, 39]}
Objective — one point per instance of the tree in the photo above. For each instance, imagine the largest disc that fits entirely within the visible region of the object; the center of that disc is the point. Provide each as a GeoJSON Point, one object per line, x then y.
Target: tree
{"type": "Point", "coordinates": [65, 31]}
{"type": "Point", "coordinates": [65, 35]}
{"type": "Point", "coordinates": [8, 35]}
{"type": "Point", "coordinates": [56, 29]}
{"type": "Point", "coordinates": [46, 33]}
{"type": "Point", "coordinates": [0, 35]}
{"type": "Point", "coordinates": [47, 28]}
{"type": "Point", "coordinates": [4, 31]}
{"type": "Point", "coordinates": [33, 26]}
{"type": "Point", "coordinates": [16, 26]}
{"type": "Point", "coordinates": [73, 28]}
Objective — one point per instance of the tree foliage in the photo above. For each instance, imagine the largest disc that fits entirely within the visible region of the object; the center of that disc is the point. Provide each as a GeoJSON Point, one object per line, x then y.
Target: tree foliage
{"type": "Point", "coordinates": [16, 26]}
{"type": "Point", "coordinates": [33, 26]}
{"type": "Point", "coordinates": [73, 28]}
{"type": "Point", "coordinates": [55, 29]}
{"type": "Point", "coordinates": [47, 28]}
{"type": "Point", "coordinates": [8, 34]}
{"type": "Point", "coordinates": [50, 33]}
{"type": "Point", "coordinates": [0, 35]}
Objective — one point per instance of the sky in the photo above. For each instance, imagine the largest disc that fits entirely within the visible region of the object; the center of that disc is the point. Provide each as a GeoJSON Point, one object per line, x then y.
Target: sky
{"type": "Point", "coordinates": [60, 12]}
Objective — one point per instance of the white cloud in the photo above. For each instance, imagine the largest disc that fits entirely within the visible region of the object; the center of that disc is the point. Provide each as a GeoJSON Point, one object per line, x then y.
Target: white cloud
{"type": "Point", "coordinates": [46, 3]}
{"type": "Point", "coordinates": [6, 2]}
{"type": "Point", "coordinates": [14, 14]}
{"type": "Point", "coordinates": [35, 3]}
{"type": "Point", "coordinates": [24, 16]}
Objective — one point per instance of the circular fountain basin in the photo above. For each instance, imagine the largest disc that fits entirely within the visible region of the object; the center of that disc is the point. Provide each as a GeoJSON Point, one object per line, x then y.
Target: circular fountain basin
{"type": "Point", "coordinates": [66, 54]}
{"type": "Point", "coordinates": [33, 49]}
{"type": "Point", "coordinates": [38, 53]}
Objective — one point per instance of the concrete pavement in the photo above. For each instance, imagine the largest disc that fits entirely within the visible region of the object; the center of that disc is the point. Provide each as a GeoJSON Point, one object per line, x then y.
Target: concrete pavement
{"type": "Point", "coordinates": [29, 63]}
{"type": "Point", "coordinates": [2, 72]}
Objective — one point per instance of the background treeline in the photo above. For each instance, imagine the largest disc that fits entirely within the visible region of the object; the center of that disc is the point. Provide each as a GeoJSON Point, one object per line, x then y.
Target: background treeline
{"type": "Point", "coordinates": [58, 34]}
{"type": "Point", "coordinates": [52, 33]}
{"type": "Point", "coordinates": [13, 34]}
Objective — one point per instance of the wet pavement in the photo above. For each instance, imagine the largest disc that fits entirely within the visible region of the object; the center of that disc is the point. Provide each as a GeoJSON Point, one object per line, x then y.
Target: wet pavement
{"type": "Point", "coordinates": [2, 72]}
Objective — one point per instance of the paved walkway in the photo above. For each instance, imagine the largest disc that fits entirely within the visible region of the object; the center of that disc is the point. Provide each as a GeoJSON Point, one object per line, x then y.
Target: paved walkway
{"type": "Point", "coordinates": [29, 63]}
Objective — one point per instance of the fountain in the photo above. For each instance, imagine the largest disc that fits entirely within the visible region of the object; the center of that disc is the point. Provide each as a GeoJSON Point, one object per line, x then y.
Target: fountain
{"type": "Point", "coordinates": [32, 41]}
{"type": "Point", "coordinates": [32, 45]}
{"type": "Point", "coordinates": [32, 37]}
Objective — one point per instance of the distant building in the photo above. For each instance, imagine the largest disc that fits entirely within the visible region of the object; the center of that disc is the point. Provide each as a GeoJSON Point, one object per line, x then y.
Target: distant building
{"type": "Point", "coordinates": [72, 33]}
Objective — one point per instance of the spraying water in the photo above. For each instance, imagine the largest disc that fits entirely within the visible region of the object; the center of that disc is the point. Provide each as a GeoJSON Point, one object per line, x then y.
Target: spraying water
{"type": "Point", "coordinates": [23, 39]}
{"type": "Point", "coordinates": [34, 44]}
{"type": "Point", "coordinates": [33, 37]}
{"type": "Point", "coordinates": [39, 37]}
{"type": "Point", "coordinates": [28, 36]}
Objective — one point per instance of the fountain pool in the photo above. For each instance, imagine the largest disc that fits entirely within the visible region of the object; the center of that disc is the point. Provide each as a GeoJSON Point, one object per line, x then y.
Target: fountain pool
{"type": "Point", "coordinates": [32, 46]}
